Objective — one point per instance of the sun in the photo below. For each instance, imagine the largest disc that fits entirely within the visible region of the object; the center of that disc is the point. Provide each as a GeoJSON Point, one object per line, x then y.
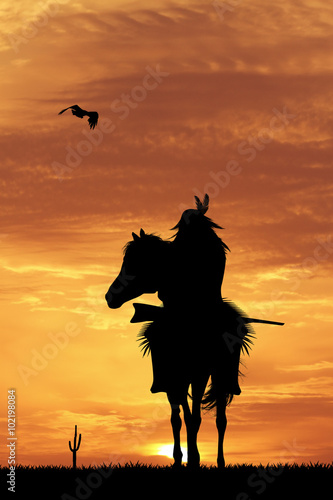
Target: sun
{"type": "Point", "coordinates": [166, 450]}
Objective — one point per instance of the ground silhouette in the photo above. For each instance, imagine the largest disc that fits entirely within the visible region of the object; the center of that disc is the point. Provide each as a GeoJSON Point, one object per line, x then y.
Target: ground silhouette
{"type": "Point", "coordinates": [236, 482]}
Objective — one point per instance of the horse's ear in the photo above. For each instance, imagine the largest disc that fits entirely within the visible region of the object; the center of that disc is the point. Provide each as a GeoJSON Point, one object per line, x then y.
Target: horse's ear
{"type": "Point", "coordinates": [135, 237]}
{"type": "Point", "coordinates": [142, 233]}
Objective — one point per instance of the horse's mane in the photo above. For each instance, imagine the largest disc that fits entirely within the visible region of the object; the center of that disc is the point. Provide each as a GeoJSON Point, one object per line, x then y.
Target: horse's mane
{"type": "Point", "coordinates": [197, 230]}
{"type": "Point", "coordinates": [148, 238]}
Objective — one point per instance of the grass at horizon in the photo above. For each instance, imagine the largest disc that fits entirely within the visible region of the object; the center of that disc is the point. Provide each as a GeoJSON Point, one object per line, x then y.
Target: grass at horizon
{"type": "Point", "coordinates": [139, 465]}
{"type": "Point", "coordinates": [235, 482]}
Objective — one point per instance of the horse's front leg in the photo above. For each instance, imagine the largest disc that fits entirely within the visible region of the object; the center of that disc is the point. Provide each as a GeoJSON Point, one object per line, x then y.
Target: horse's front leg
{"type": "Point", "coordinates": [176, 423]}
{"type": "Point", "coordinates": [221, 424]}
{"type": "Point", "coordinates": [192, 421]}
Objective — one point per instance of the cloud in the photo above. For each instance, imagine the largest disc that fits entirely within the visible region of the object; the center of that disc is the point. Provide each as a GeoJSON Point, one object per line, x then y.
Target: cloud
{"type": "Point", "coordinates": [61, 272]}
{"type": "Point", "coordinates": [320, 365]}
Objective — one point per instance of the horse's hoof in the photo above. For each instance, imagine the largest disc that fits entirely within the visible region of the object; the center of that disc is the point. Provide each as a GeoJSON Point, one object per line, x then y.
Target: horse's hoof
{"type": "Point", "coordinates": [193, 466]}
{"type": "Point", "coordinates": [177, 465]}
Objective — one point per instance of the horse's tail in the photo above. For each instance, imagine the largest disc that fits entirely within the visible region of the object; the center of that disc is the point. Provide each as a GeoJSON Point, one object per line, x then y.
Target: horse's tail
{"type": "Point", "coordinates": [236, 337]}
{"type": "Point", "coordinates": [212, 395]}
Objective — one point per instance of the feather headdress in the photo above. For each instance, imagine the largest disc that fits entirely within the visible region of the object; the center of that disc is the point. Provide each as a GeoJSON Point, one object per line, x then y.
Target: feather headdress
{"type": "Point", "coordinates": [202, 206]}
{"type": "Point", "coordinates": [196, 214]}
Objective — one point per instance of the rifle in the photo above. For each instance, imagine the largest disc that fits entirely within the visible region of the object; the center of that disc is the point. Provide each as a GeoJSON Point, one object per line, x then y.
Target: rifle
{"type": "Point", "coordinates": [148, 312]}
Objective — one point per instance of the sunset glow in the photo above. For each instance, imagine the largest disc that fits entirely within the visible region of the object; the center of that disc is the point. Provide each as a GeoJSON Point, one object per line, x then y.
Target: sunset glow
{"type": "Point", "coordinates": [166, 450]}
{"type": "Point", "coordinates": [192, 99]}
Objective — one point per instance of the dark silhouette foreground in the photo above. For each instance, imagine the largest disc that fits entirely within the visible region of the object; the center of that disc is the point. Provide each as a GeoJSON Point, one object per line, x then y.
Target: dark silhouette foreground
{"type": "Point", "coordinates": [196, 335]}
{"type": "Point", "coordinates": [80, 113]}
{"type": "Point", "coordinates": [285, 481]}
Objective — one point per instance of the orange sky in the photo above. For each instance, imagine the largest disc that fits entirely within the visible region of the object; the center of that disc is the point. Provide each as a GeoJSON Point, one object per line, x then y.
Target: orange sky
{"type": "Point", "coordinates": [191, 100]}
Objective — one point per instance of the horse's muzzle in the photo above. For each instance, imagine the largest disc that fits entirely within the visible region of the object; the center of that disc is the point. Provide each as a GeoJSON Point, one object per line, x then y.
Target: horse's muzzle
{"type": "Point", "coordinates": [111, 302]}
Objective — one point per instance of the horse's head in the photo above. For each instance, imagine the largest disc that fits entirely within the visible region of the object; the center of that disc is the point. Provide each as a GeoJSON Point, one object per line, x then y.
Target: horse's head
{"type": "Point", "coordinates": [139, 271]}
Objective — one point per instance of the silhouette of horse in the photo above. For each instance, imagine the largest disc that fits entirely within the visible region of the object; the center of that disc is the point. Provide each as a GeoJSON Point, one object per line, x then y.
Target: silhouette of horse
{"type": "Point", "coordinates": [196, 335]}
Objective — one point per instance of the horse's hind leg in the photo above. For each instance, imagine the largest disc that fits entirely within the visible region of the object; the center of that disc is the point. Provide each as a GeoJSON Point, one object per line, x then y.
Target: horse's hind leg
{"type": "Point", "coordinates": [176, 423]}
{"type": "Point", "coordinates": [221, 424]}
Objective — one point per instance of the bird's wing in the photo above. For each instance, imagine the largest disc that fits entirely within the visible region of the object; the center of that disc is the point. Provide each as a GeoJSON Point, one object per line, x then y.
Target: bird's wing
{"type": "Point", "coordinates": [93, 118]}
{"type": "Point", "coordinates": [75, 106]}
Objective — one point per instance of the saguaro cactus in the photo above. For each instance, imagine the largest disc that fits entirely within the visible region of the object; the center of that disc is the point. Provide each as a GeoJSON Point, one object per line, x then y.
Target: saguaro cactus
{"type": "Point", "coordinates": [75, 447]}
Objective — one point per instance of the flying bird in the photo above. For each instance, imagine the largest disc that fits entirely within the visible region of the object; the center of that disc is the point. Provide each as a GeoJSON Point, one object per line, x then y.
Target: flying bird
{"type": "Point", "coordinates": [80, 113]}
